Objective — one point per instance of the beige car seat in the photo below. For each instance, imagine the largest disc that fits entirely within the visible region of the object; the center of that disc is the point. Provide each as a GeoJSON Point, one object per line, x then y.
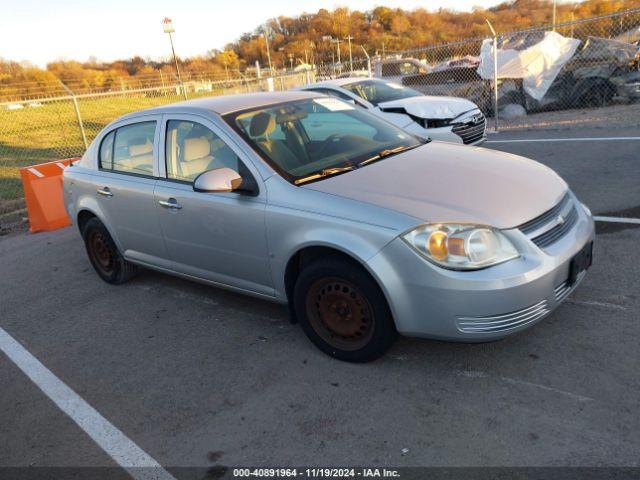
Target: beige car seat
{"type": "Point", "coordinates": [262, 125]}
{"type": "Point", "coordinates": [140, 159]}
{"type": "Point", "coordinates": [196, 157]}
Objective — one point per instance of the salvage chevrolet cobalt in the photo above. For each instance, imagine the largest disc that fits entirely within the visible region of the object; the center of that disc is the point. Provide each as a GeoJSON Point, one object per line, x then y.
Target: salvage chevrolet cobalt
{"type": "Point", "coordinates": [364, 230]}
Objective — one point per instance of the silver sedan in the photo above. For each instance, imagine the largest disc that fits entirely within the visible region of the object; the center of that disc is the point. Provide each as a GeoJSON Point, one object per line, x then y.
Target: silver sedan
{"type": "Point", "coordinates": [364, 230]}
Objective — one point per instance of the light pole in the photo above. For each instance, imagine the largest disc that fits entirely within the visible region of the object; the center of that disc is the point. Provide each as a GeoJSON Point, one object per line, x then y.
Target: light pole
{"type": "Point", "coordinates": [167, 26]}
{"type": "Point", "coordinates": [553, 21]}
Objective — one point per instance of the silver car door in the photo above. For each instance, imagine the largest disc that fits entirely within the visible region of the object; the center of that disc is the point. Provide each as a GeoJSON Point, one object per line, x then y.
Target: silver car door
{"type": "Point", "coordinates": [216, 236]}
{"type": "Point", "coordinates": [125, 182]}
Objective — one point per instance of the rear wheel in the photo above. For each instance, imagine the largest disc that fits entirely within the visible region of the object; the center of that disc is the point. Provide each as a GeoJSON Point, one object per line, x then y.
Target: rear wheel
{"type": "Point", "coordinates": [103, 254]}
{"type": "Point", "coordinates": [343, 311]}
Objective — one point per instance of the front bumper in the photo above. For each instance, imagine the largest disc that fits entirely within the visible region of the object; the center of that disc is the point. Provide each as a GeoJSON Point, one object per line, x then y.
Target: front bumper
{"type": "Point", "coordinates": [468, 129]}
{"type": "Point", "coordinates": [442, 134]}
{"type": "Point", "coordinates": [429, 301]}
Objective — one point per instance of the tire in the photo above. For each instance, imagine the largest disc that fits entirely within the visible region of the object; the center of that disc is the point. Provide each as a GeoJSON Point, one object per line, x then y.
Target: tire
{"type": "Point", "coordinates": [327, 294]}
{"type": "Point", "coordinates": [103, 254]}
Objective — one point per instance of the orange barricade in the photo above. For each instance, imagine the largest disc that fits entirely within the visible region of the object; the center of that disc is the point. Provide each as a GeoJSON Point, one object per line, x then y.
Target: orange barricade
{"type": "Point", "coordinates": [43, 193]}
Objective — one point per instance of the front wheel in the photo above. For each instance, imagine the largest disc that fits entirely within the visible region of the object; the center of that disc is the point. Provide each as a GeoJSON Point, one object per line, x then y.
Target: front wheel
{"type": "Point", "coordinates": [343, 311]}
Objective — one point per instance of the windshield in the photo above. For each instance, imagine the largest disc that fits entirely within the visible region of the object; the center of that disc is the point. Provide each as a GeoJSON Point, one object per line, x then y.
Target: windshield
{"type": "Point", "coordinates": [377, 91]}
{"type": "Point", "coordinates": [308, 140]}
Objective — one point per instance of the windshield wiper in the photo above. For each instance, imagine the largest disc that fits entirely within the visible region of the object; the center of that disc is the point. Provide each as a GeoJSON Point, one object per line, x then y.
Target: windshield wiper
{"type": "Point", "coordinates": [386, 153]}
{"type": "Point", "coordinates": [322, 173]}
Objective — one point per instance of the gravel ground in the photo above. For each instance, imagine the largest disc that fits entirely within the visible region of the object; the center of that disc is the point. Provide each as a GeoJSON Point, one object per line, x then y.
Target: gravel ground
{"type": "Point", "coordinates": [611, 117]}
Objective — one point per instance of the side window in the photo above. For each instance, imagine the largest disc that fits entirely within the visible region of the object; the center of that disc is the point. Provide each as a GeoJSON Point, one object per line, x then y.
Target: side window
{"type": "Point", "coordinates": [106, 152]}
{"type": "Point", "coordinates": [133, 148]}
{"type": "Point", "coordinates": [191, 149]}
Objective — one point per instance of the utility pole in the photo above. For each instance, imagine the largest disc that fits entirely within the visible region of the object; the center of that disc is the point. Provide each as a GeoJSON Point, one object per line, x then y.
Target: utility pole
{"type": "Point", "coordinates": [572, 20]}
{"type": "Point", "coordinates": [348, 38]}
{"type": "Point", "coordinates": [266, 41]}
{"type": "Point", "coordinates": [167, 25]}
{"type": "Point", "coordinates": [337, 41]}
{"type": "Point", "coordinates": [553, 22]}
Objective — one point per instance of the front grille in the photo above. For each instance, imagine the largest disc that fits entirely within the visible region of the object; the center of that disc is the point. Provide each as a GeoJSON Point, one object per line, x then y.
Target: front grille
{"type": "Point", "coordinates": [546, 217]}
{"type": "Point", "coordinates": [501, 323]}
{"type": "Point", "coordinates": [553, 224]}
{"type": "Point", "coordinates": [470, 131]}
{"type": "Point", "coordinates": [556, 233]}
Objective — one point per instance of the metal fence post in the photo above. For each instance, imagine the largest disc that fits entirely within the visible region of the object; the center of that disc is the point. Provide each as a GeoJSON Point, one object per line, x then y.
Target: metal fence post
{"type": "Point", "coordinates": [78, 116]}
{"type": "Point", "coordinates": [495, 73]}
{"type": "Point", "coordinates": [368, 61]}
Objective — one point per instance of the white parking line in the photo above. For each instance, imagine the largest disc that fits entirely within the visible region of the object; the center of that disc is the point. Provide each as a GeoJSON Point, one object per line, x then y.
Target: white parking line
{"type": "Point", "coordinates": [515, 381]}
{"type": "Point", "coordinates": [568, 139]}
{"type": "Point", "coordinates": [115, 443]}
{"type": "Point", "coordinates": [635, 221]}
{"type": "Point", "coordinates": [594, 303]}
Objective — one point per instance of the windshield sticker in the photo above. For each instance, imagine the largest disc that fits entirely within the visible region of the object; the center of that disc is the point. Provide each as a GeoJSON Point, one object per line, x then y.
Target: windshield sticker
{"type": "Point", "coordinates": [333, 104]}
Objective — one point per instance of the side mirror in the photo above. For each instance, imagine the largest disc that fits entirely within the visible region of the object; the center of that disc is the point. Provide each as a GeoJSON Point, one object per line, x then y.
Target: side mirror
{"type": "Point", "coordinates": [218, 180]}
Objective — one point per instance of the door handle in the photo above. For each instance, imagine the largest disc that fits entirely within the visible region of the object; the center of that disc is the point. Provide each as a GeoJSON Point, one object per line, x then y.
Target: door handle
{"type": "Point", "coordinates": [172, 203]}
{"type": "Point", "coordinates": [105, 192]}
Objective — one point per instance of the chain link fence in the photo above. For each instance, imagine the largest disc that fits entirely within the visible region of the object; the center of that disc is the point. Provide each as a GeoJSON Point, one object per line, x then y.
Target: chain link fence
{"type": "Point", "coordinates": [543, 75]}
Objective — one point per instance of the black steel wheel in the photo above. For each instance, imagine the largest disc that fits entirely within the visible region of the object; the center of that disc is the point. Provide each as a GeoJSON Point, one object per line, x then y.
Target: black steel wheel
{"type": "Point", "coordinates": [343, 311]}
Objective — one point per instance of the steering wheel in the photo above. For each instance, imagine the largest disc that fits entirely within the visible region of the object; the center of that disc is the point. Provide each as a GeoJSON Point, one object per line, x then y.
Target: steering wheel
{"type": "Point", "coordinates": [327, 141]}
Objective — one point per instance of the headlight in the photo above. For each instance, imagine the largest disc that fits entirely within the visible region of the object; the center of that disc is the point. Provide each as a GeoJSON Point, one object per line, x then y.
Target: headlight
{"type": "Point", "coordinates": [461, 247]}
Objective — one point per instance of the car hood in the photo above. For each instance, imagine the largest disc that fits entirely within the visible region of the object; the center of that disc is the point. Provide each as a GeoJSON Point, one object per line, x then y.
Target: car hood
{"type": "Point", "coordinates": [442, 182]}
{"type": "Point", "coordinates": [431, 107]}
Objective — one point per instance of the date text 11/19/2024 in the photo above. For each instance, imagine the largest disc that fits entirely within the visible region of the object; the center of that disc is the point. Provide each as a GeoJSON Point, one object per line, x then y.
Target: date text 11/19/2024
{"type": "Point", "coordinates": [315, 473]}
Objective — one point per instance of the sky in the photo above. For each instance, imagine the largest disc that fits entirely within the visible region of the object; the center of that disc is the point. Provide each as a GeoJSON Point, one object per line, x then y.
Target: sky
{"type": "Point", "coordinates": [40, 31]}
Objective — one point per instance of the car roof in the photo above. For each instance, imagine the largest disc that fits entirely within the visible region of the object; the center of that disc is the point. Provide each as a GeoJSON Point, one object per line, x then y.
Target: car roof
{"type": "Point", "coordinates": [339, 82]}
{"type": "Point", "coordinates": [225, 103]}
